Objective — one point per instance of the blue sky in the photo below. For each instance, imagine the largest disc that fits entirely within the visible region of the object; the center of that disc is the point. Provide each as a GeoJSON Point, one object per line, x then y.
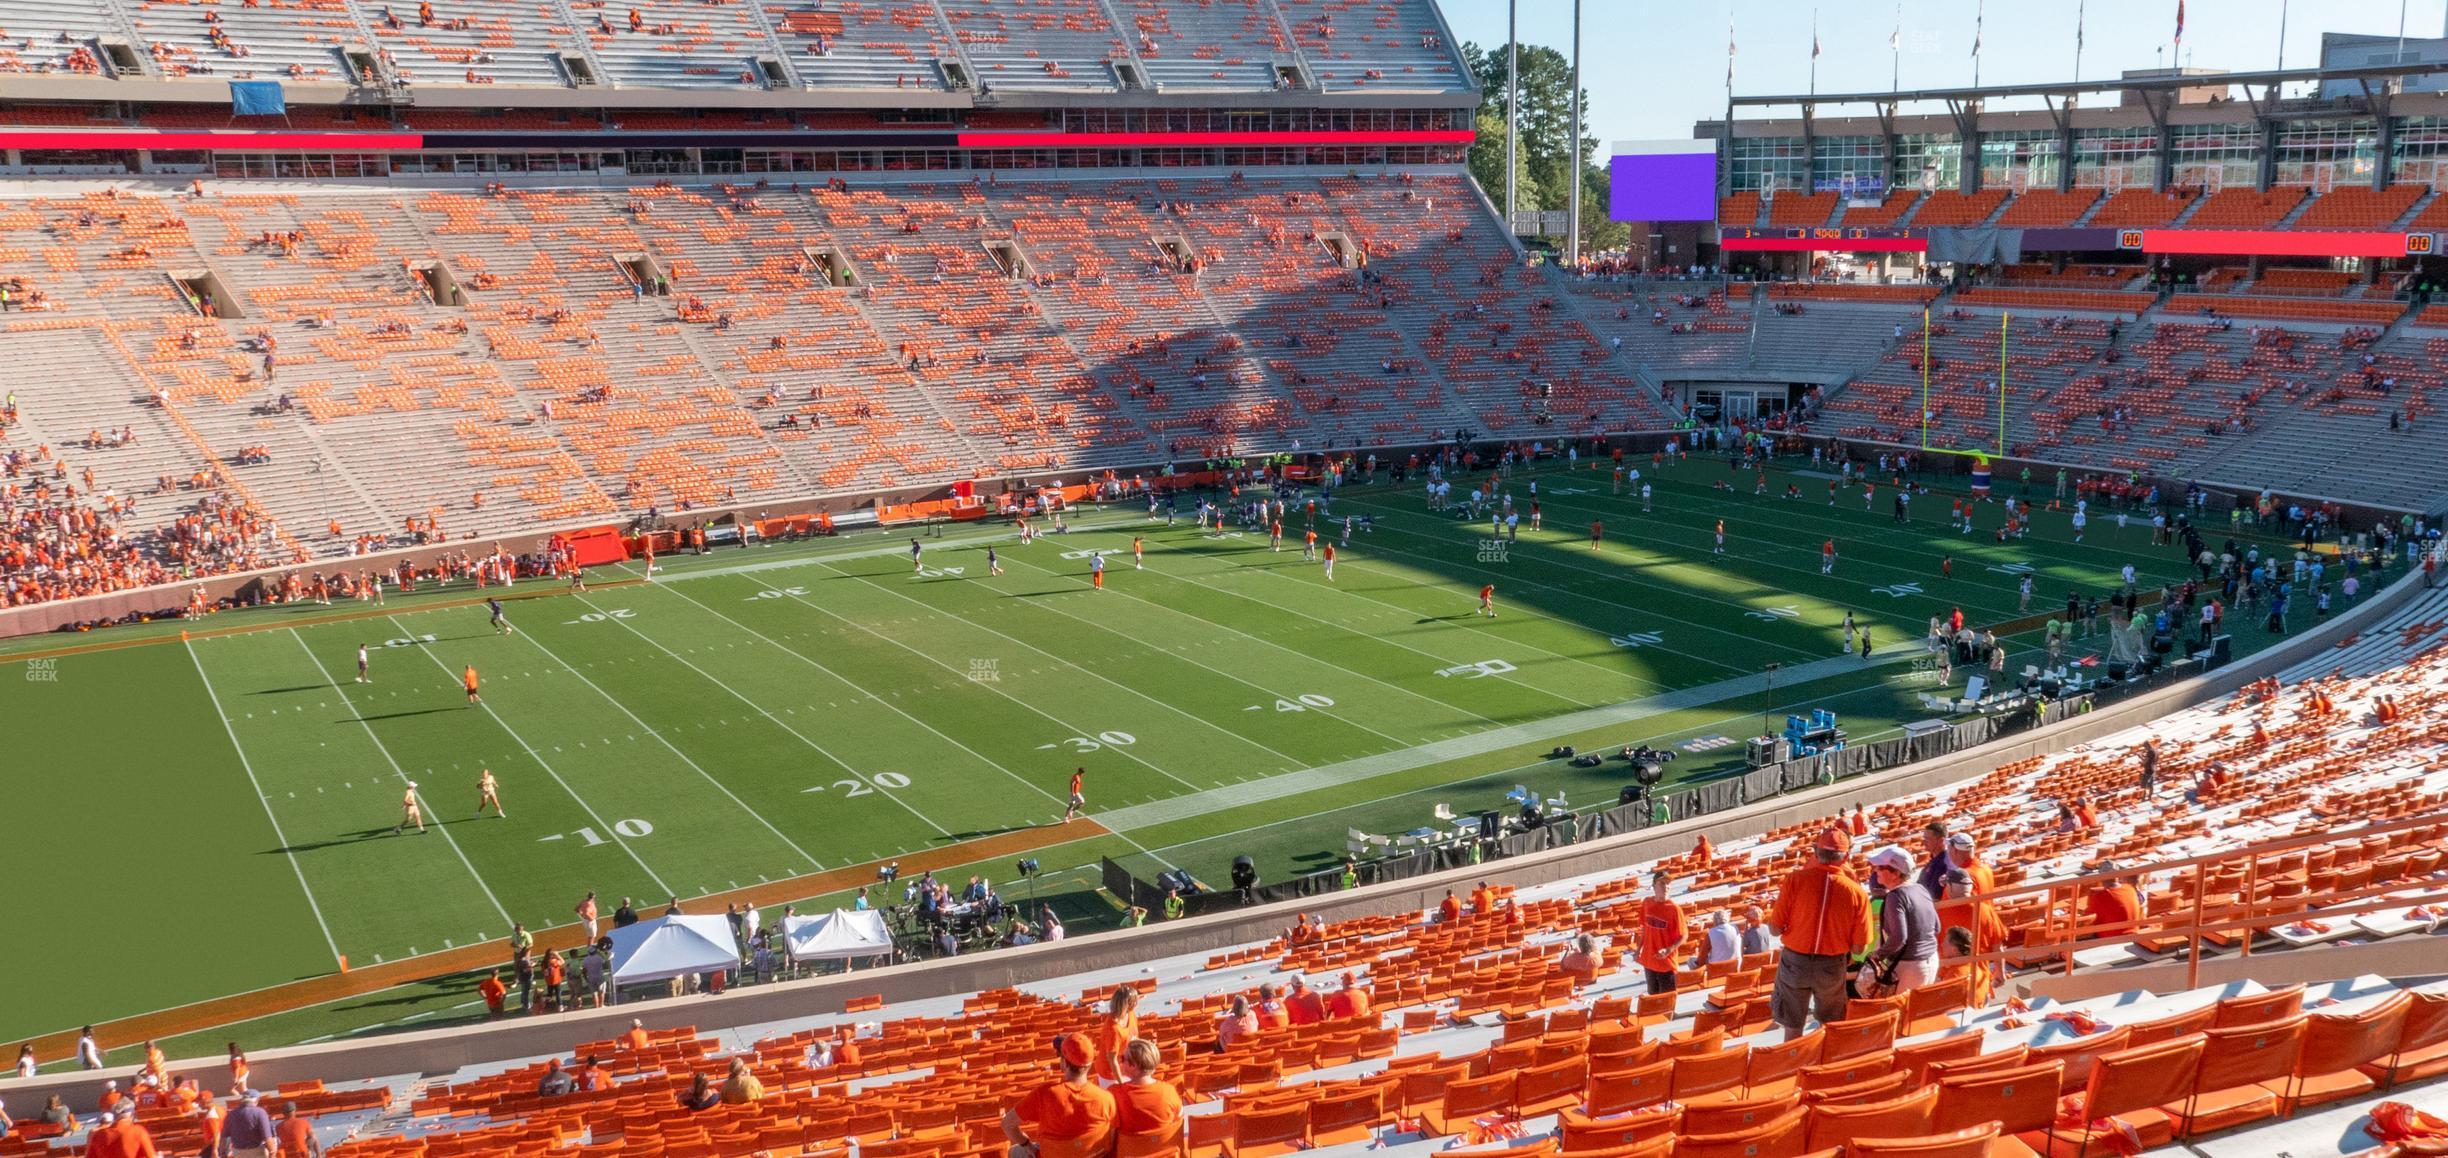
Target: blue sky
{"type": "Point", "coordinates": [1653, 67]}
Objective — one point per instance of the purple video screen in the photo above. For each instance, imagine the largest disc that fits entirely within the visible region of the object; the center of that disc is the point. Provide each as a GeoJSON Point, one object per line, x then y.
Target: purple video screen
{"type": "Point", "coordinates": [1662, 187]}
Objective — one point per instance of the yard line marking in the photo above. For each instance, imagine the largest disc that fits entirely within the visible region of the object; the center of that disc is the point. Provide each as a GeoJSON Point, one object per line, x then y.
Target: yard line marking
{"type": "Point", "coordinates": [938, 732]}
{"type": "Point", "coordinates": [1396, 741]}
{"type": "Point", "coordinates": [674, 749]}
{"type": "Point", "coordinates": [396, 770]}
{"type": "Point", "coordinates": [1099, 677]}
{"type": "Point", "coordinates": [1450, 785]}
{"type": "Point", "coordinates": [1350, 561]}
{"type": "Point", "coordinates": [249, 766]}
{"type": "Point", "coordinates": [1517, 642]}
{"type": "Point", "coordinates": [1883, 537]}
{"type": "Point", "coordinates": [1286, 784]}
{"type": "Point", "coordinates": [1179, 577]}
{"type": "Point", "coordinates": [1626, 579]}
{"type": "Point", "coordinates": [549, 770]}
{"type": "Point", "coordinates": [819, 748]}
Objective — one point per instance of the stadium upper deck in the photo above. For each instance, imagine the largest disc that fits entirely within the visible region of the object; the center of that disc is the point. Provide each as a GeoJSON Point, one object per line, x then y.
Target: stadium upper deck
{"type": "Point", "coordinates": [571, 52]}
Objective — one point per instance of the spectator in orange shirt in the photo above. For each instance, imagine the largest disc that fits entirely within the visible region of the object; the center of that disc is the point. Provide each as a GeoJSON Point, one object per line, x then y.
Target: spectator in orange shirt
{"type": "Point", "coordinates": [1304, 1005]}
{"type": "Point", "coordinates": [1350, 1001]}
{"type": "Point", "coordinates": [1145, 1107]}
{"type": "Point", "coordinates": [1964, 904]}
{"type": "Point", "coordinates": [1662, 932]}
{"type": "Point", "coordinates": [1449, 910]}
{"type": "Point", "coordinates": [1269, 1009]}
{"type": "Point", "coordinates": [492, 990]}
{"type": "Point", "coordinates": [1118, 1028]}
{"type": "Point", "coordinates": [1822, 916]}
{"type": "Point", "coordinates": [120, 1137]}
{"type": "Point", "coordinates": [1483, 900]}
{"type": "Point", "coordinates": [296, 1135]}
{"type": "Point", "coordinates": [637, 1034]}
{"type": "Point", "coordinates": [2113, 902]}
{"type": "Point", "coordinates": [1070, 1118]}
{"type": "Point", "coordinates": [1958, 946]}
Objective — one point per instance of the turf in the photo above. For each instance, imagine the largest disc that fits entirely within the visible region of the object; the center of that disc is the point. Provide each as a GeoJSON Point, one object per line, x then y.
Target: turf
{"type": "Point", "coordinates": [761, 715]}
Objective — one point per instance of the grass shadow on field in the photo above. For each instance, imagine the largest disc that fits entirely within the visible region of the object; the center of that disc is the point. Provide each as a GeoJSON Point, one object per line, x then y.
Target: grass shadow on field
{"type": "Point", "coordinates": [979, 833]}
{"type": "Point", "coordinates": [400, 715]}
{"type": "Point", "coordinates": [341, 841]}
{"type": "Point", "coordinates": [286, 691]}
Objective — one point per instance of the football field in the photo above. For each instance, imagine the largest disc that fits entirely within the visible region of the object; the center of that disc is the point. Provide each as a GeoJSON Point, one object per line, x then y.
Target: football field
{"type": "Point", "coordinates": [218, 813]}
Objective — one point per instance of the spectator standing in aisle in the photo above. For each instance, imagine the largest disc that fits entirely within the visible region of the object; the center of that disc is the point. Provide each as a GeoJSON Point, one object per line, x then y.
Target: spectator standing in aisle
{"type": "Point", "coordinates": [1907, 955]}
{"type": "Point", "coordinates": [1662, 932]}
{"type": "Point", "coordinates": [1822, 917]}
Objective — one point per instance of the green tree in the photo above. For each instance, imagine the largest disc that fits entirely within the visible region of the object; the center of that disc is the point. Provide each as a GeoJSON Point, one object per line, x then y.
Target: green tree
{"type": "Point", "coordinates": [1487, 160]}
{"type": "Point", "coordinates": [1548, 109]}
{"type": "Point", "coordinates": [1598, 231]}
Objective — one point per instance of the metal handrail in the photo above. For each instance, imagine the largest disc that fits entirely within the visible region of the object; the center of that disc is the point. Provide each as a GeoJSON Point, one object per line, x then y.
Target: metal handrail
{"type": "Point", "coordinates": [2245, 915]}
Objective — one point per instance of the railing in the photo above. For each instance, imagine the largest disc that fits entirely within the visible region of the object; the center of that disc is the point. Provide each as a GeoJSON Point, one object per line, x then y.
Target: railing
{"type": "Point", "coordinates": [2207, 913]}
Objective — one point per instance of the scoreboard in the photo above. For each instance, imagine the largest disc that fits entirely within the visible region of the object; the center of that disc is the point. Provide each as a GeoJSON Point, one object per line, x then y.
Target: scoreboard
{"type": "Point", "coordinates": [1794, 238]}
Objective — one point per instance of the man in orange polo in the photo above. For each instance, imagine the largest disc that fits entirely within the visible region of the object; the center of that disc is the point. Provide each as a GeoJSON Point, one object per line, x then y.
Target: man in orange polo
{"type": "Point", "coordinates": [1661, 934]}
{"type": "Point", "coordinates": [1350, 1001]}
{"type": "Point", "coordinates": [1069, 1118]}
{"type": "Point", "coordinates": [1306, 1006]}
{"type": "Point", "coordinates": [468, 678]}
{"type": "Point", "coordinates": [1822, 916]}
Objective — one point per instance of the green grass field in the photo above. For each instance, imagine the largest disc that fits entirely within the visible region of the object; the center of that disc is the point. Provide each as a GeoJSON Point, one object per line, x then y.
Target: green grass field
{"type": "Point", "coordinates": [761, 715]}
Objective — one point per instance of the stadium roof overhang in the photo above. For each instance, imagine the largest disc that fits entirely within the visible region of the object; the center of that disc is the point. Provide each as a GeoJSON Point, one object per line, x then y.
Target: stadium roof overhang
{"type": "Point", "coordinates": [68, 87]}
{"type": "Point", "coordinates": [2167, 83]}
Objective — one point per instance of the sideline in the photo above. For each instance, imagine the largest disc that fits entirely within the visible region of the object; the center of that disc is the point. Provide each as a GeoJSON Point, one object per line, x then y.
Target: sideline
{"type": "Point", "coordinates": [329, 987]}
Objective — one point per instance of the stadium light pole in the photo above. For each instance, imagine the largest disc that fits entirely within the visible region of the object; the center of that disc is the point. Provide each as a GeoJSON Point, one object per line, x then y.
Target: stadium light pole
{"type": "Point", "coordinates": [1512, 105]}
{"type": "Point", "coordinates": [1572, 225]}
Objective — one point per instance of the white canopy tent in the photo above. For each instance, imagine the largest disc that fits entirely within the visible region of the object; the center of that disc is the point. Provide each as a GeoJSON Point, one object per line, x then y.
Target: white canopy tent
{"type": "Point", "coordinates": [668, 947]}
{"type": "Point", "coordinates": [840, 935]}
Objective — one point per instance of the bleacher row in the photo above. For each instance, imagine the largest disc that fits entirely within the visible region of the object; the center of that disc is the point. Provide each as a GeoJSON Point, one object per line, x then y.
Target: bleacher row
{"type": "Point", "coordinates": [1003, 45]}
{"type": "Point", "coordinates": [1472, 1037]}
{"type": "Point", "coordinates": [679, 348]}
{"type": "Point", "coordinates": [2283, 206]}
{"type": "Point", "coordinates": [2275, 392]}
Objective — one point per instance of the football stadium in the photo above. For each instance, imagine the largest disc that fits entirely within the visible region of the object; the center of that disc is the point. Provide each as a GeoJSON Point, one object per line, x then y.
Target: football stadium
{"type": "Point", "coordinates": [1210, 578]}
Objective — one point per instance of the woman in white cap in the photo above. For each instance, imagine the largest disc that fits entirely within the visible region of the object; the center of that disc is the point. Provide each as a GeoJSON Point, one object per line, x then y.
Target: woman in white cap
{"type": "Point", "coordinates": [1906, 957]}
{"type": "Point", "coordinates": [411, 812]}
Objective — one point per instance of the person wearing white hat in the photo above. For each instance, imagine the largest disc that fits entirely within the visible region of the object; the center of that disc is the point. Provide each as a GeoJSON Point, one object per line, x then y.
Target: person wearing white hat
{"type": "Point", "coordinates": [1724, 944]}
{"type": "Point", "coordinates": [1906, 957]}
{"type": "Point", "coordinates": [411, 812]}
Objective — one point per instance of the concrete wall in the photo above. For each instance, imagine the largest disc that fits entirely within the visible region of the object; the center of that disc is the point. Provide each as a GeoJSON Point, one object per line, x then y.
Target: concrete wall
{"type": "Point", "coordinates": [440, 1051]}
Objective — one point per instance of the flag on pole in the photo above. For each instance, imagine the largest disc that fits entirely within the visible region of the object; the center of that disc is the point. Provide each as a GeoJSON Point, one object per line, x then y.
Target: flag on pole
{"type": "Point", "coordinates": [1814, 34]}
{"type": "Point", "coordinates": [1729, 54]}
{"type": "Point", "coordinates": [2078, 27]}
{"type": "Point", "coordinates": [1977, 15]}
{"type": "Point", "coordinates": [2179, 26]}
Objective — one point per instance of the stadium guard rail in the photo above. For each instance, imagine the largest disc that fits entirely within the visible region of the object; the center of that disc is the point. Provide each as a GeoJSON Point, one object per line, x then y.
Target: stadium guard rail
{"type": "Point", "coordinates": [445, 1050]}
{"type": "Point", "coordinates": [1685, 802]}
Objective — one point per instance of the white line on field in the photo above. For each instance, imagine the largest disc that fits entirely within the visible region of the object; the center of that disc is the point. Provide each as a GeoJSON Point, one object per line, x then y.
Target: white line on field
{"type": "Point", "coordinates": [400, 772]}
{"type": "Point", "coordinates": [249, 765]}
{"type": "Point", "coordinates": [549, 770]}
